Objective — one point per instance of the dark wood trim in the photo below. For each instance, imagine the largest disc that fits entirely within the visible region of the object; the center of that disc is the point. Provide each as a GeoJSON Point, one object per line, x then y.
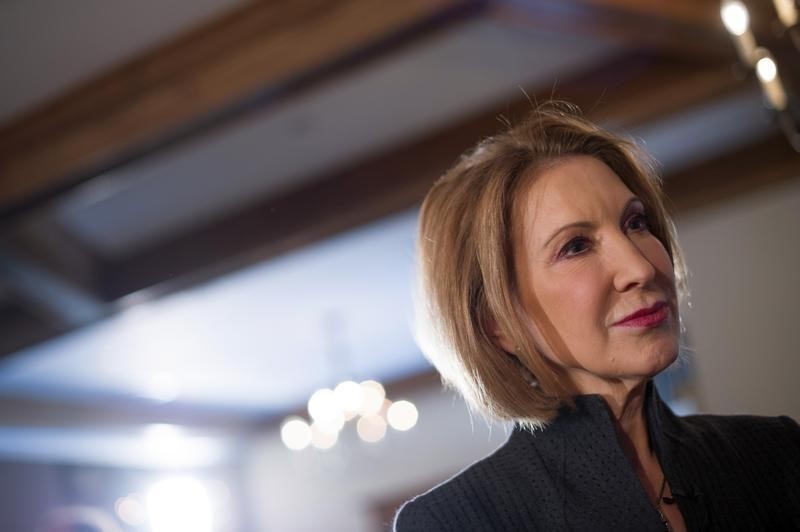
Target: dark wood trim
{"type": "Point", "coordinates": [691, 27]}
{"type": "Point", "coordinates": [763, 163]}
{"type": "Point", "coordinates": [22, 325]}
{"type": "Point", "coordinates": [61, 304]}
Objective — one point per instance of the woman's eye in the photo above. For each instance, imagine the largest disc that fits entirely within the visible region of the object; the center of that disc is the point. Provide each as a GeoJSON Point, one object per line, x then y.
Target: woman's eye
{"type": "Point", "coordinates": [638, 222]}
{"type": "Point", "coordinates": [576, 246]}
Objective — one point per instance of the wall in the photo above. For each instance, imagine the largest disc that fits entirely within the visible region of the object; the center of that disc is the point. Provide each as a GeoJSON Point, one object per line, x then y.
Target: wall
{"type": "Point", "coordinates": [744, 261]}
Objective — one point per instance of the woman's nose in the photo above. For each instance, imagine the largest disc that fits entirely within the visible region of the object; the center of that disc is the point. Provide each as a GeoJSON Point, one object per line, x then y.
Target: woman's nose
{"type": "Point", "coordinates": [630, 265]}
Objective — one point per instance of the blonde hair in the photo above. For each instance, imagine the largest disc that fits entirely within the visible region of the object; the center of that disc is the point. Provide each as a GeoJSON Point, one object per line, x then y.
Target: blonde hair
{"type": "Point", "coordinates": [465, 259]}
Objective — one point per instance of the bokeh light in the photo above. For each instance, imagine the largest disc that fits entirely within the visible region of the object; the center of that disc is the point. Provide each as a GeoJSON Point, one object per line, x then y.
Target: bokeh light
{"type": "Point", "coordinates": [371, 429]}
{"type": "Point", "coordinates": [295, 433]}
{"type": "Point", "coordinates": [322, 405]}
{"type": "Point", "coordinates": [735, 17]}
{"type": "Point", "coordinates": [179, 504]}
{"type": "Point", "coordinates": [766, 69]}
{"type": "Point", "coordinates": [402, 415]}
{"type": "Point", "coordinates": [349, 397]}
{"type": "Point", "coordinates": [331, 424]}
{"type": "Point", "coordinates": [373, 396]}
{"type": "Point", "coordinates": [323, 439]}
{"type": "Point", "coordinates": [131, 510]}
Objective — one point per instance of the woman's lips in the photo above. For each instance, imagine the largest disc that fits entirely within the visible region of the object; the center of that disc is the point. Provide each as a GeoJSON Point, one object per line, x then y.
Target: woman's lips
{"type": "Point", "coordinates": [647, 317]}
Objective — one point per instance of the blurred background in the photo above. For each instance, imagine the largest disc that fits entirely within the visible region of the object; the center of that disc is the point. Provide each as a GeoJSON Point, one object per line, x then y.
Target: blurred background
{"type": "Point", "coordinates": [207, 222]}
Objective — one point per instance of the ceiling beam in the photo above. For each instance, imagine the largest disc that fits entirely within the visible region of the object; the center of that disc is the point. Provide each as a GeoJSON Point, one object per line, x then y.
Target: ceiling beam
{"type": "Point", "coordinates": [634, 89]}
{"type": "Point", "coordinates": [59, 303]}
{"type": "Point", "coordinates": [21, 326]}
{"type": "Point", "coordinates": [686, 26]}
{"type": "Point", "coordinates": [250, 57]}
{"type": "Point", "coordinates": [765, 162]}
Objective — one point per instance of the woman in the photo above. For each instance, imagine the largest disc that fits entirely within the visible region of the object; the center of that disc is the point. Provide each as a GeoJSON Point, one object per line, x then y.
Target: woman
{"type": "Point", "coordinates": [550, 284]}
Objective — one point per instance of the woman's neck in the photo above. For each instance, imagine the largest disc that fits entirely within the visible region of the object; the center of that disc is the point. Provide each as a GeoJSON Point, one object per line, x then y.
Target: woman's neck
{"type": "Point", "coordinates": [631, 424]}
{"type": "Point", "coordinates": [626, 401]}
{"type": "Point", "coordinates": [627, 405]}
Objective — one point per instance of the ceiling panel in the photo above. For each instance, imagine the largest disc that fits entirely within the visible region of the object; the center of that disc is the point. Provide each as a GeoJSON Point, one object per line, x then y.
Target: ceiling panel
{"type": "Point", "coordinates": [65, 43]}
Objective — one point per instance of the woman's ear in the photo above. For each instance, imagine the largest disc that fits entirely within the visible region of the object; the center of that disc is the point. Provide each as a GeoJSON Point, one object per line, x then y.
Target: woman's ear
{"type": "Point", "coordinates": [498, 336]}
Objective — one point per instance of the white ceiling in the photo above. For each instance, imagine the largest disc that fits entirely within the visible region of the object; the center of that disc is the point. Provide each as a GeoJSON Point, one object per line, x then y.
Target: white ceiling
{"type": "Point", "coordinates": [48, 47]}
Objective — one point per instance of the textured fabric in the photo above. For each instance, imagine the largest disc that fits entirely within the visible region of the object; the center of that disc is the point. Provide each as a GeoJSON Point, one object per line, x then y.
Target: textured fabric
{"type": "Point", "coordinates": [725, 472]}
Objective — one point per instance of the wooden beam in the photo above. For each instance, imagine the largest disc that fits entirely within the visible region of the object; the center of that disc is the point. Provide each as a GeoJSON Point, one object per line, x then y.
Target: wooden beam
{"type": "Point", "coordinates": [59, 303]}
{"type": "Point", "coordinates": [250, 57]}
{"type": "Point", "coordinates": [763, 163]}
{"type": "Point", "coordinates": [635, 89]}
{"type": "Point", "coordinates": [20, 328]}
{"type": "Point", "coordinates": [686, 26]}
{"type": "Point", "coordinates": [700, 13]}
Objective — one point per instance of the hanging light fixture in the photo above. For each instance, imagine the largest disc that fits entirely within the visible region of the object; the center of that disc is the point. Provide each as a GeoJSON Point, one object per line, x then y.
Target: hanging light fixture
{"type": "Point", "coordinates": [736, 18]}
{"type": "Point", "coordinates": [780, 88]}
{"type": "Point", "coordinates": [331, 410]}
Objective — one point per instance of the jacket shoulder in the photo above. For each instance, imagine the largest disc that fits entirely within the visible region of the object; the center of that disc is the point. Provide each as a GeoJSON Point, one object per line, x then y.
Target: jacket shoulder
{"type": "Point", "coordinates": [746, 430]}
{"type": "Point", "coordinates": [743, 470]}
{"type": "Point", "coordinates": [461, 502]}
{"type": "Point", "coordinates": [415, 515]}
{"type": "Point", "coordinates": [745, 443]}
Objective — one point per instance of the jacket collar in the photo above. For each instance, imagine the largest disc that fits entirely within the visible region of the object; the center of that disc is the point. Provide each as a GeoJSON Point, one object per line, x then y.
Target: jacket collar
{"type": "Point", "coordinates": [581, 449]}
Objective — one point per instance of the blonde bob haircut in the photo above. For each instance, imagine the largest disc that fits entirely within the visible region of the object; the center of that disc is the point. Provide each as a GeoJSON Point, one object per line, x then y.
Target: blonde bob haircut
{"type": "Point", "coordinates": [465, 264]}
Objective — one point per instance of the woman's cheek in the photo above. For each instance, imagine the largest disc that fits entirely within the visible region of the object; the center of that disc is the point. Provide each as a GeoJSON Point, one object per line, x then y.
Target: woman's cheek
{"type": "Point", "coordinates": [579, 300]}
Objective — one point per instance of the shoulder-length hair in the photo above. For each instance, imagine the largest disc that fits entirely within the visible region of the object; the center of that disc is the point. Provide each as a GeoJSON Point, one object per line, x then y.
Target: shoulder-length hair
{"type": "Point", "coordinates": [466, 274]}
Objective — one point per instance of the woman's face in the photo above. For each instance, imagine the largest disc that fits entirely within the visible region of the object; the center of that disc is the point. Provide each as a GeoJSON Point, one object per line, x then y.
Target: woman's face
{"type": "Point", "coordinates": [597, 286]}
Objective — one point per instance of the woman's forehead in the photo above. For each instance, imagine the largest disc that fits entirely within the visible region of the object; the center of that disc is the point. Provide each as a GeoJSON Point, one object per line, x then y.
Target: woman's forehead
{"type": "Point", "coordinates": [578, 189]}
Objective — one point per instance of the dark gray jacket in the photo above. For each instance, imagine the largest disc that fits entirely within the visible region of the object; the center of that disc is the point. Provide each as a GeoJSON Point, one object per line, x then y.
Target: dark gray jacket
{"type": "Point", "coordinates": [725, 472]}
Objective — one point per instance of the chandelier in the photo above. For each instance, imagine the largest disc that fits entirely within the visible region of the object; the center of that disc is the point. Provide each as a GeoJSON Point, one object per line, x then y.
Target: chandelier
{"type": "Point", "coordinates": [361, 404]}
{"type": "Point", "coordinates": [774, 55]}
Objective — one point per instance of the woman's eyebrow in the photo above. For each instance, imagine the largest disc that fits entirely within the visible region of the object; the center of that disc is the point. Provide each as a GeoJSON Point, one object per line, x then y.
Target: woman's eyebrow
{"type": "Point", "coordinates": [581, 224]}
{"type": "Point", "coordinates": [633, 200]}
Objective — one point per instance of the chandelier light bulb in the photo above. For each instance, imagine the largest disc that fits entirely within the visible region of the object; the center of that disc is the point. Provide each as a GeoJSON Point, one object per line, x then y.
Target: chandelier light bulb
{"type": "Point", "coordinates": [321, 438]}
{"type": "Point", "coordinates": [331, 424]}
{"type": "Point", "coordinates": [295, 433]}
{"type": "Point", "coordinates": [402, 415]}
{"type": "Point", "coordinates": [787, 12]}
{"type": "Point", "coordinates": [735, 17]}
{"type": "Point", "coordinates": [766, 69]}
{"type": "Point", "coordinates": [371, 429]}
{"type": "Point", "coordinates": [349, 397]}
{"type": "Point", "coordinates": [768, 75]}
{"type": "Point", "coordinates": [373, 396]}
{"type": "Point", "coordinates": [322, 405]}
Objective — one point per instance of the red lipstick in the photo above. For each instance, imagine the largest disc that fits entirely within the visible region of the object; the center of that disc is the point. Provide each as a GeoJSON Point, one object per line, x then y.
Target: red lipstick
{"type": "Point", "coordinates": [646, 317]}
